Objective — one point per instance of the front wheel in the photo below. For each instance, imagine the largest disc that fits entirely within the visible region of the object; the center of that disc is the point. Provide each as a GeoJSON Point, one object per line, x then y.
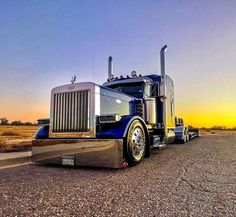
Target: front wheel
{"type": "Point", "coordinates": [135, 143]}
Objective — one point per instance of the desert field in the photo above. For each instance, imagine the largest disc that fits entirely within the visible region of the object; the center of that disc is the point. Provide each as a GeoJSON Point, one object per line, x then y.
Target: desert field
{"type": "Point", "coordinates": [16, 137]}
{"type": "Point", "coordinates": [209, 132]}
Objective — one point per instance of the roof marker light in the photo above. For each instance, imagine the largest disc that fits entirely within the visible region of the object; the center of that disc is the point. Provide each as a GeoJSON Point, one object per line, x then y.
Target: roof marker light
{"type": "Point", "coordinates": [134, 74]}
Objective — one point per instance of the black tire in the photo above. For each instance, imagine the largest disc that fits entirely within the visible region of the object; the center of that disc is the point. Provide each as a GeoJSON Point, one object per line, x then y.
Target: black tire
{"type": "Point", "coordinates": [135, 143]}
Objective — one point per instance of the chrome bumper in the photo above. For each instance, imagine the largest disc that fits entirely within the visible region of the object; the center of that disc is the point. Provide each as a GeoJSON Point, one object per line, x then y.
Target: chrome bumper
{"type": "Point", "coordinates": [85, 152]}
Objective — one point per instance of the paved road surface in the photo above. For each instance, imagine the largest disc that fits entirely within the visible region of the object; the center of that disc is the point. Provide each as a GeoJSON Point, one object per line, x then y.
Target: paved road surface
{"type": "Point", "coordinates": [14, 158]}
{"type": "Point", "coordinates": [195, 179]}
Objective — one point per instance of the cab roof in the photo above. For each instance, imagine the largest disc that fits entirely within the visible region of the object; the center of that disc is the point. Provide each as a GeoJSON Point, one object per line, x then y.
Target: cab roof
{"type": "Point", "coordinates": [127, 80]}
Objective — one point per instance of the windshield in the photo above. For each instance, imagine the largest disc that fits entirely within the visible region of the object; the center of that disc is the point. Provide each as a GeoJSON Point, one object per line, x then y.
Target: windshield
{"type": "Point", "coordinates": [132, 89]}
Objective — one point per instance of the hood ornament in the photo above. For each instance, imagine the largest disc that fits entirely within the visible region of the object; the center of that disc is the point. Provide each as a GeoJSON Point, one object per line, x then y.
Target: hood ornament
{"type": "Point", "coordinates": [73, 79]}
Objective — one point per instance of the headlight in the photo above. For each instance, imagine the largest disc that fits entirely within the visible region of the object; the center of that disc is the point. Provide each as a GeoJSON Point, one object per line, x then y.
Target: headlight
{"type": "Point", "coordinates": [111, 118]}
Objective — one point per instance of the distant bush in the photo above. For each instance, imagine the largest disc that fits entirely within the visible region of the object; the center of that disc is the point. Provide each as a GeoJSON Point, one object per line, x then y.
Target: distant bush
{"type": "Point", "coordinates": [17, 123]}
{"type": "Point", "coordinates": [218, 128]}
{"type": "Point", "coordinates": [10, 133]}
{"type": "Point", "coordinates": [28, 124]}
{"type": "Point", "coordinates": [204, 128]}
{"type": "Point", "coordinates": [4, 121]}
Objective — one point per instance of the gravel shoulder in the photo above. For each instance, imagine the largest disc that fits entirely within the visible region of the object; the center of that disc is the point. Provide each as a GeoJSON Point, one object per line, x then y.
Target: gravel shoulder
{"type": "Point", "coordinates": [194, 179]}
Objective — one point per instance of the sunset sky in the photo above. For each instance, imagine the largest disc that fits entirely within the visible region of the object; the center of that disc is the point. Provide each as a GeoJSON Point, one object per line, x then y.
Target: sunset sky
{"type": "Point", "coordinates": [43, 43]}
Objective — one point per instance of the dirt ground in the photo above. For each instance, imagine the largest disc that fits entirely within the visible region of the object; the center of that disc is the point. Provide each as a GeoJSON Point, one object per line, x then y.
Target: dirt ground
{"type": "Point", "coordinates": [193, 179]}
{"type": "Point", "coordinates": [218, 132]}
{"type": "Point", "coordinates": [12, 137]}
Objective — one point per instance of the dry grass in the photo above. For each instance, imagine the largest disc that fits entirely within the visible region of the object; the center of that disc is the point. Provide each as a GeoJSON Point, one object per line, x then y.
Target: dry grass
{"type": "Point", "coordinates": [217, 132]}
{"type": "Point", "coordinates": [4, 146]}
{"type": "Point", "coordinates": [10, 133]}
{"type": "Point", "coordinates": [12, 137]}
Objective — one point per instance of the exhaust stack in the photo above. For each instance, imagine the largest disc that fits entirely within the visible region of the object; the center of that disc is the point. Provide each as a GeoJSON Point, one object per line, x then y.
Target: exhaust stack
{"type": "Point", "coordinates": [110, 69]}
{"type": "Point", "coordinates": [162, 59]}
{"type": "Point", "coordinates": [163, 91]}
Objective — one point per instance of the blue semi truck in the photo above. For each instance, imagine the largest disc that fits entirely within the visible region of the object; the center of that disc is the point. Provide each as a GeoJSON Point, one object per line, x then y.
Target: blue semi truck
{"type": "Point", "coordinates": [111, 125]}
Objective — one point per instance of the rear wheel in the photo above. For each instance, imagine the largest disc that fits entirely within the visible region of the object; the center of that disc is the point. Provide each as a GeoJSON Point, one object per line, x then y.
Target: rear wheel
{"type": "Point", "coordinates": [185, 137]}
{"type": "Point", "coordinates": [135, 144]}
{"type": "Point", "coordinates": [188, 137]}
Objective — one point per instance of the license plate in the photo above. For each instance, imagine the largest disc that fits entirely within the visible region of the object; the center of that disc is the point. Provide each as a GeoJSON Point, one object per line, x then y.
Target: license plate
{"type": "Point", "coordinates": [68, 160]}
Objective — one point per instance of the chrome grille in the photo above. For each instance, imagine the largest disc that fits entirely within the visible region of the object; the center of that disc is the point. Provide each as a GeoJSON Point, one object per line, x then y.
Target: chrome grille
{"type": "Point", "coordinates": [71, 112]}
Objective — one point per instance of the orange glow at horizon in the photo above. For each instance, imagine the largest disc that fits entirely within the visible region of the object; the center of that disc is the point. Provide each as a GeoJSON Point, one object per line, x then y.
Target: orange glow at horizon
{"type": "Point", "coordinates": [208, 112]}
{"type": "Point", "coordinates": [195, 116]}
{"type": "Point", "coordinates": [210, 120]}
{"type": "Point", "coordinates": [24, 114]}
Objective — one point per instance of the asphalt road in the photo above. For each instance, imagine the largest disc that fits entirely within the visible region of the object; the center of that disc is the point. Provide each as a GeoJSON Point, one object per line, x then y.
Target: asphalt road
{"type": "Point", "coordinates": [194, 179]}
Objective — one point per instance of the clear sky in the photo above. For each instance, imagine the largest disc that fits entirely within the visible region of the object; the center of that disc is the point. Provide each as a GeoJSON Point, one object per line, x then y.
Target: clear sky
{"type": "Point", "coordinates": [43, 43]}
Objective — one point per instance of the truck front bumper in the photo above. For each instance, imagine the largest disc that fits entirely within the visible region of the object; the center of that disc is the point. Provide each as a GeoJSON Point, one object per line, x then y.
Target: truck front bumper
{"type": "Point", "coordinates": [79, 152]}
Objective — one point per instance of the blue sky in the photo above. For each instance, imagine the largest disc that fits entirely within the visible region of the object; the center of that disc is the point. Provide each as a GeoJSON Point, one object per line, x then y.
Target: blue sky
{"type": "Point", "coordinates": [43, 43]}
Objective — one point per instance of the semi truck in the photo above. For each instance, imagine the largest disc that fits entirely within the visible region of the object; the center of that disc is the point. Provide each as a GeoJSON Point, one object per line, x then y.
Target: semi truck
{"type": "Point", "coordinates": [115, 124]}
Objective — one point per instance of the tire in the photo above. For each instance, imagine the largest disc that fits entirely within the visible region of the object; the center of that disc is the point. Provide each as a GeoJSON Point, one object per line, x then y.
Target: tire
{"type": "Point", "coordinates": [188, 137]}
{"type": "Point", "coordinates": [135, 143]}
{"type": "Point", "coordinates": [184, 140]}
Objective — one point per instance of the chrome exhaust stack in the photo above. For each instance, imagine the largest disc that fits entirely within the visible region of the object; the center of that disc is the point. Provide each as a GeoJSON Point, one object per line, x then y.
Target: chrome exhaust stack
{"type": "Point", "coordinates": [110, 69]}
{"type": "Point", "coordinates": [163, 71]}
{"type": "Point", "coordinates": [163, 96]}
{"type": "Point", "coordinates": [162, 58]}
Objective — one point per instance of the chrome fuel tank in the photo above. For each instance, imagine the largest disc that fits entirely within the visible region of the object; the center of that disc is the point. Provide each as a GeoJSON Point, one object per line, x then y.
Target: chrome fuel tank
{"type": "Point", "coordinates": [150, 105]}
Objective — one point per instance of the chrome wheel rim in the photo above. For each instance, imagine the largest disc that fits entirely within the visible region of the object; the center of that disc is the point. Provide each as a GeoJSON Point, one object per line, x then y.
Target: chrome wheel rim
{"type": "Point", "coordinates": [138, 143]}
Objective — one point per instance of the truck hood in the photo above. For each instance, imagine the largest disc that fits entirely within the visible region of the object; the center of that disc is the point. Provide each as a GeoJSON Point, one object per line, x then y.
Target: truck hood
{"type": "Point", "coordinates": [74, 108]}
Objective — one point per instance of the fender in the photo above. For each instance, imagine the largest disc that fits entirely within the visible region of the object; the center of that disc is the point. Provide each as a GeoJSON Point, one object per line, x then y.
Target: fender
{"type": "Point", "coordinates": [148, 146]}
{"type": "Point", "coordinates": [42, 133]}
{"type": "Point", "coordinates": [130, 120]}
{"type": "Point", "coordinates": [120, 131]}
